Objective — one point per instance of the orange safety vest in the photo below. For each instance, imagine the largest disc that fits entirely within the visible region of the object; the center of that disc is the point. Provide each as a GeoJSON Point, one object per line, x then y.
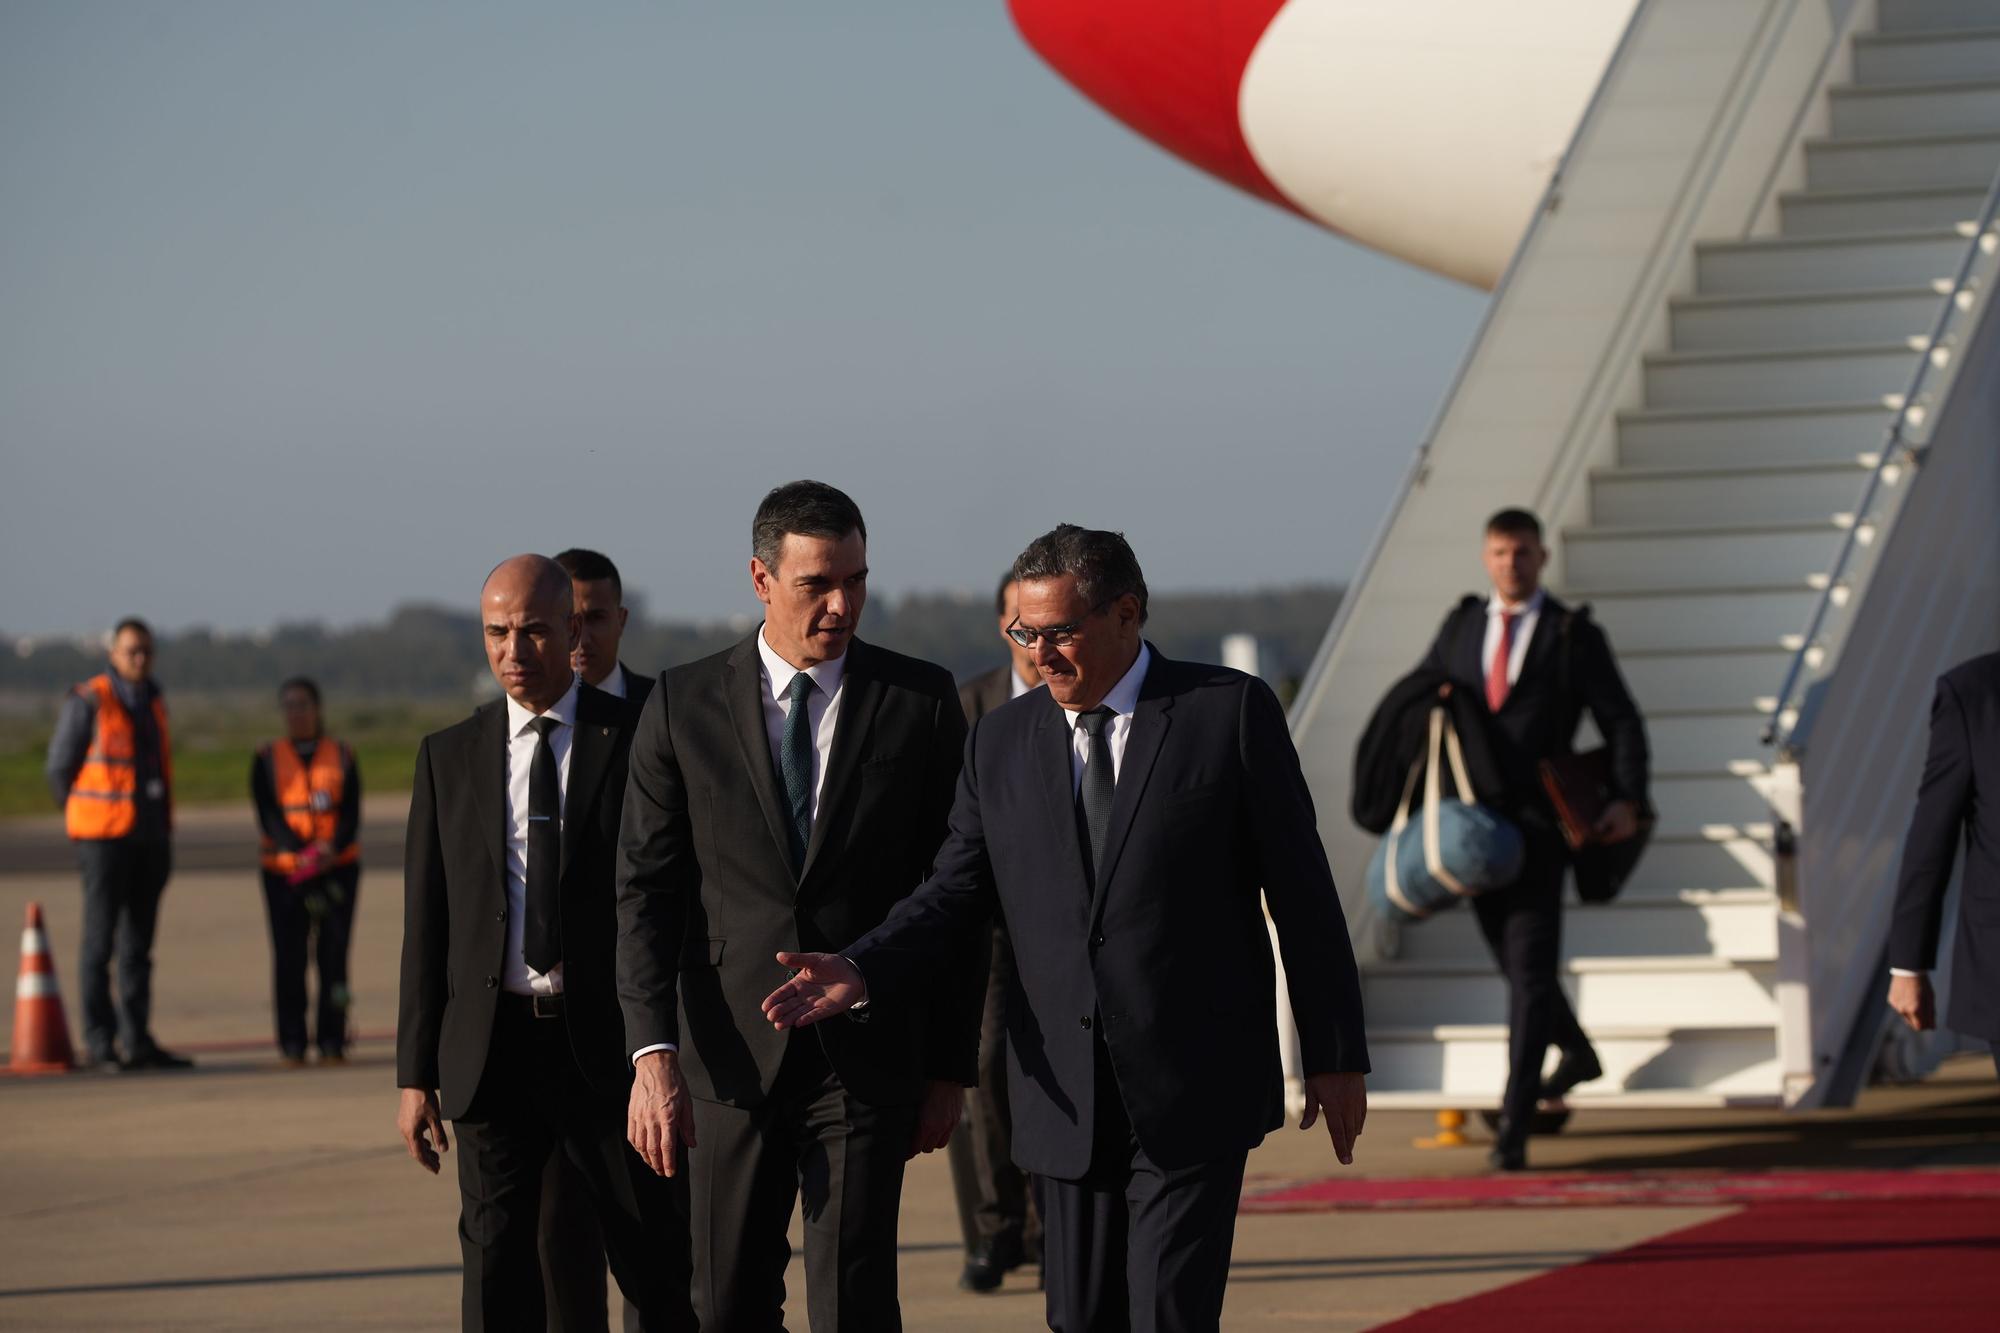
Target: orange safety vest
{"type": "Point", "coordinates": [309, 797]}
{"type": "Point", "coordinates": [104, 798]}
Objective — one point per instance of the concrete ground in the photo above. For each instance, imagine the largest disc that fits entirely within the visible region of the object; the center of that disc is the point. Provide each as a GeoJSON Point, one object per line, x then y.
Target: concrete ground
{"type": "Point", "coordinates": [247, 1196]}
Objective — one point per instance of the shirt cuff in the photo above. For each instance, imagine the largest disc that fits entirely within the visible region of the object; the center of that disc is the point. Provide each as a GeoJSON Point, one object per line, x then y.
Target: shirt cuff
{"type": "Point", "coordinates": [656, 1046]}
{"type": "Point", "coordinates": [862, 1003]}
{"type": "Point", "coordinates": [1903, 972]}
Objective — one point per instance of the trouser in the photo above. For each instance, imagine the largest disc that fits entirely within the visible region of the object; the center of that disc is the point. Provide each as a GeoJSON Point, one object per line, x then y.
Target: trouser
{"type": "Point", "coordinates": [995, 1201]}
{"type": "Point", "coordinates": [1523, 927]}
{"type": "Point", "coordinates": [572, 1248]}
{"type": "Point", "coordinates": [123, 879]}
{"type": "Point", "coordinates": [841, 1159]}
{"type": "Point", "coordinates": [1135, 1245]}
{"type": "Point", "coordinates": [533, 1102]}
{"type": "Point", "coordinates": [315, 917]}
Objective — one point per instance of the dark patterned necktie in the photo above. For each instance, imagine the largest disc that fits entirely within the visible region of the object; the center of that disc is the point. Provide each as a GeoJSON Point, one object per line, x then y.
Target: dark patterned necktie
{"type": "Point", "coordinates": [541, 929]}
{"type": "Point", "coordinates": [795, 763]}
{"type": "Point", "coordinates": [1093, 796]}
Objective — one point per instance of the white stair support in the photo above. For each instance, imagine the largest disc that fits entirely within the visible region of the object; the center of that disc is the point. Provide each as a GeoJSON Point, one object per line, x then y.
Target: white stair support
{"type": "Point", "coordinates": [1690, 371]}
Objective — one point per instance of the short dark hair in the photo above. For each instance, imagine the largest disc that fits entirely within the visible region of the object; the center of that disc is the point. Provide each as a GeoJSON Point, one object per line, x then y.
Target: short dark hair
{"type": "Point", "coordinates": [1102, 562]}
{"type": "Point", "coordinates": [306, 683]}
{"type": "Point", "coordinates": [1000, 593]}
{"type": "Point", "coordinates": [1515, 522]}
{"type": "Point", "coordinates": [133, 623]}
{"type": "Point", "coordinates": [804, 508]}
{"type": "Point", "coordinates": [587, 566]}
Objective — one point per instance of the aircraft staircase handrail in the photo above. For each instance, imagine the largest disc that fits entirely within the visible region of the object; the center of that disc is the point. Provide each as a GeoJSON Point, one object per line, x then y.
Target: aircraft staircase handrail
{"type": "Point", "coordinates": [1959, 311]}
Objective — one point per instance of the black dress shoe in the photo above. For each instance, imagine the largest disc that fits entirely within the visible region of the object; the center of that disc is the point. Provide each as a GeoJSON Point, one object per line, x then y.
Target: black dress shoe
{"type": "Point", "coordinates": [1510, 1147]}
{"type": "Point", "coordinates": [988, 1265]}
{"type": "Point", "coordinates": [159, 1057]}
{"type": "Point", "coordinates": [1575, 1067]}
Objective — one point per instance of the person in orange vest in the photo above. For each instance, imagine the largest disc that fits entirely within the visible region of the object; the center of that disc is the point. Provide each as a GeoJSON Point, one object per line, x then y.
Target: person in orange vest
{"type": "Point", "coordinates": [307, 790]}
{"type": "Point", "coordinates": [110, 768]}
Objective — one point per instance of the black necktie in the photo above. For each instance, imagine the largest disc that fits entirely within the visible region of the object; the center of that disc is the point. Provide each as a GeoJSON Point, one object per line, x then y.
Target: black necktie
{"type": "Point", "coordinates": [1093, 797]}
{"type": "Point", "coordinates": [795, 765]}
{"type": "Point", "coordinates": [541, 930]}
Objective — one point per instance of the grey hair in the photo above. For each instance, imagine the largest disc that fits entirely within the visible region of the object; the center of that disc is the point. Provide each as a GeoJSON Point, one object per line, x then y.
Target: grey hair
{"type": "Point", "coordinates": [1102, 562]}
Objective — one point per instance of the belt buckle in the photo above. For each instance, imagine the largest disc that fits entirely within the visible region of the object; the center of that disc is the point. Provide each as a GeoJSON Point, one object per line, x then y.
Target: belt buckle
{"type": "Point", "coordinates": [547, 1006]}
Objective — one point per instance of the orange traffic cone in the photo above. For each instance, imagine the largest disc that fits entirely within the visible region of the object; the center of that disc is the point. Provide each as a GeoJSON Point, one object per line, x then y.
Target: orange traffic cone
{"type": "Point", "coordinates": [41, 1033]}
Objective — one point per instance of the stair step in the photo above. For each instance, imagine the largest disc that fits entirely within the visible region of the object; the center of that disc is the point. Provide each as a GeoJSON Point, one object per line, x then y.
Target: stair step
{"type": "Point", "coordinates": [1787, 376]}
{"type": "Point", "coordinates": [1876, 110]}
{"type": "Point", "coordinates": [1791, 493]}
{"type": "Point", "coordinates": [1967, 158]}
{"type": "Point", "coordinates": [1777, 264]}
{"type": "Point", "coordinates": [1469, 1061]}
{"type": "Point", "coordinates": [1678, 865]}
{"type": "Point", "coordinates": [1706, 678]}
{"type": "Point", "coordinates": [1744, 927]}
{"type": "Point", "coordinates": [1717, 804]}
{"type": "Point", "coordinates": [1697, 556]}
{"type": "Point", "coordinates": [1726, 619]}
{"type": "Point", "coordinates": [1804, 320]}
{"type": "Point", "coordinates": [1933, 15]}
{"type": "Point", "coordinates": [1825, 432]}
{"type": "Point", "coordinates": [1857, 212]}
{"type": "Point", "coordinates": [1937, 55]}
{"type": "Point", "coordinates": [1702, 741]}
{"type": "Point", "coordinates": [1605, 992]}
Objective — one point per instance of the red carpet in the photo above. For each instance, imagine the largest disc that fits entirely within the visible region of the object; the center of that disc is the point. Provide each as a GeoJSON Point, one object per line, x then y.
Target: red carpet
{"type": "Point", "coordinates": [1878, 1266]}
{"type": "Point", "coordinates": [1627, 1188]}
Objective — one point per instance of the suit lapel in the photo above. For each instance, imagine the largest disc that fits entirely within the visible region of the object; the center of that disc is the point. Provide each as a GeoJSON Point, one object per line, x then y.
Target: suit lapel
{"type": "Point", "coordinates": [489, 785]}
{"type": "Point", "coordinates": [1541, 644]}
{"type": "Point", "coordinates": [1055, 775]}
{"type": "Point", "coordinates": [592, 741]}
{"type": "Point", "coordinates": [743, 694]}
{"type": "Point", "coordinates": [1471, 646]}
{"type": "Point", "coordinates": [860, 696]}
{"type": "Point", "coordinates": [1149, 732]}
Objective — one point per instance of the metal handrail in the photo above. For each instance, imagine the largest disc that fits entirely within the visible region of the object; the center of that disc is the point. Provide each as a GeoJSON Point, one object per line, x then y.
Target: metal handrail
{"type": "Point", "coordinates": [1896, 451]}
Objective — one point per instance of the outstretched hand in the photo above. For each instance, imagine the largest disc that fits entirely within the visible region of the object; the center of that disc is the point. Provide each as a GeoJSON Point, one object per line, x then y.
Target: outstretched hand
{"type": "Point", "coordinates": [823, 985]}
{"type": "Point", "coordinates": [1344, 1099]}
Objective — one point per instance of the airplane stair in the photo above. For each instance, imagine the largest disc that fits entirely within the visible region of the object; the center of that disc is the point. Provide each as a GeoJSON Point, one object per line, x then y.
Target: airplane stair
{"type": "Point", "coordinates": [1733, 366]}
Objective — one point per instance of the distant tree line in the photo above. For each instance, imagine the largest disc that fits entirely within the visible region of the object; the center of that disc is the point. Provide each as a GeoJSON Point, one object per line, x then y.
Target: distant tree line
{"type": "Point", "coordinates": [430, 652]}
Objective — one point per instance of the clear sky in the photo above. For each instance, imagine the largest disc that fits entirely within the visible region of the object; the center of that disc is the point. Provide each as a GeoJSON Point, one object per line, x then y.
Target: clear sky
{"type": "Point", "coordinates": [309, 309]}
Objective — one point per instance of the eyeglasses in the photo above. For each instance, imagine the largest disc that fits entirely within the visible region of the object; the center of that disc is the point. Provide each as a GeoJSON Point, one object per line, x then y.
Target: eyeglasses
{"type": "Point", "coordinates": [1059, 636]}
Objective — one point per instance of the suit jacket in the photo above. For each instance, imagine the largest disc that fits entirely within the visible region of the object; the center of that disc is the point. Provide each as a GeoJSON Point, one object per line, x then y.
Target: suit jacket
{"type": "Point", "coordinates": [986, 692]}
{"type": "Point", "coordinates": [1168, 960]}
{"type": "Point", "coordinates": [637, 687]}
{"type": "Point", "coordinates": [455, 901]}
{"type": "Point", "coordinates": [1566, 670]}
{"type": "Point", "coordinates": [707, 893]}
{"type": "Point", "coordinates": [1955, 804]}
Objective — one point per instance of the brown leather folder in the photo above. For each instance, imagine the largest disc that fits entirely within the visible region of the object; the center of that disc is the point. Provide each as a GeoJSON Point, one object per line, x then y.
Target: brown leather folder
{"type": "Point", "coordinates": [1579, 786]}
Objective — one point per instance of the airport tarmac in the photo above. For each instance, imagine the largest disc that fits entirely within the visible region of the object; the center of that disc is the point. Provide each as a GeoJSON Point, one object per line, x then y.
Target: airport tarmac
{"type": "Point", "coordinates": [244, 1195]}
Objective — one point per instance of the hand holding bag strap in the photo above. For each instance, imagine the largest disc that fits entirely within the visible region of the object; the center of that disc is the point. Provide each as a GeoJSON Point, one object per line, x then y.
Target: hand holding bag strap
{"type": "Point", "coordinates": [1391, 884]}
{"type": "Point", "coordinates": [1441, 728]}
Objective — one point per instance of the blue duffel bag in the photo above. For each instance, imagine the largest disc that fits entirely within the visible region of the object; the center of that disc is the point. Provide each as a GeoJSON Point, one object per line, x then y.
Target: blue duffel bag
{"type": "Point", "coordinates": [1456, 849]}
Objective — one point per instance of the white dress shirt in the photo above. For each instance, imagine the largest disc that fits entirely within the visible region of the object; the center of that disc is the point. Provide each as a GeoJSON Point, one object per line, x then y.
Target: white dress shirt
{"type": "Point", "coordinates": [1122, 700]}
{"type": "Point", "coordinates": [822, 708]}
{"type": "Point", "coordinates": [1526, 615]}
{"type": "Point", "coordinates": [516, 975]}
{"type": "Point", "coordinates": [1016, 687]}
{"type": "Point", "coordinates": [614, 684]}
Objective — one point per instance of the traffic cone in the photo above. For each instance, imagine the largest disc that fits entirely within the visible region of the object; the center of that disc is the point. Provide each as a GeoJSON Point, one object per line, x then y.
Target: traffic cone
{"type": "Point", "coordinates": [41, 1033]}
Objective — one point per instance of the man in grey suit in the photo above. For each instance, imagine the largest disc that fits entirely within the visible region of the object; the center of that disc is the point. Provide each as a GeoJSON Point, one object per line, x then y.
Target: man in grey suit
{"type": "Point", "coordinates": [996, 1209]}
{"type": "Point", "coordinates": [785, 795]}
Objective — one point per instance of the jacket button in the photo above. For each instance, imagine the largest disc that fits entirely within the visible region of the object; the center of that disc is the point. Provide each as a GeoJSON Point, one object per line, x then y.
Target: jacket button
{"type": "Point", "coordinates": [1097, 941]}
{"type": "Point", "coordinates": [499, 916]}
{"type": "Point", "coordinates": [492, 983]}
{"type": "Point", "coordinates": [1084, 1022]}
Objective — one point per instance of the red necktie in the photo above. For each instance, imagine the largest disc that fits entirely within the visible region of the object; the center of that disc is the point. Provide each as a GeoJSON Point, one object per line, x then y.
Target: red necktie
{"type": "Point", "coordinates": [1496, 670]}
